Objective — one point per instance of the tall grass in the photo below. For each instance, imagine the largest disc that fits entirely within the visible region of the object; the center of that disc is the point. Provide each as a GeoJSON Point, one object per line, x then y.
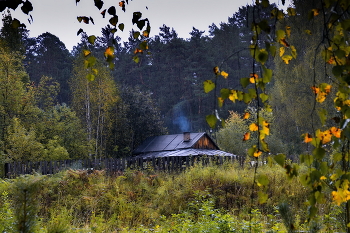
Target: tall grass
{"type": "Point", "coordinates": [216, 198]}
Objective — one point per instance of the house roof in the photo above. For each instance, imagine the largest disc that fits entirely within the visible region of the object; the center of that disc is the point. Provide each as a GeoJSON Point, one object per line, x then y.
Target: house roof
{"type": "Point", "coordinates": [186, 152]}
{"type": "Point", "coordinates": [170, 143]}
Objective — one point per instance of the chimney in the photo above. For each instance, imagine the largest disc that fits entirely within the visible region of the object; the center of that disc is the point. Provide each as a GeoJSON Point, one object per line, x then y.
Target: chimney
{"type": "Point", "coordinates": [187, 136]}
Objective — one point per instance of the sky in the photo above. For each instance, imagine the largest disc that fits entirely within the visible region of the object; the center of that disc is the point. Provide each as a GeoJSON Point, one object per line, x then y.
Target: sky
{"type": "Point", "coordinates": [59, 17]}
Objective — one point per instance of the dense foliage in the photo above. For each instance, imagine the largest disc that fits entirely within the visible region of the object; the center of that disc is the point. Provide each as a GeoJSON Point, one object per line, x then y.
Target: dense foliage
{"type": "Point", "coordinates": [201, 198]}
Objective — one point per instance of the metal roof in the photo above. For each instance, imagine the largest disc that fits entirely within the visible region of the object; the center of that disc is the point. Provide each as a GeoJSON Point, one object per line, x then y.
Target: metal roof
{"type": "Point", "coordinates": [169, 143]}
{"type": "Point", "coordinates": [187, 152]}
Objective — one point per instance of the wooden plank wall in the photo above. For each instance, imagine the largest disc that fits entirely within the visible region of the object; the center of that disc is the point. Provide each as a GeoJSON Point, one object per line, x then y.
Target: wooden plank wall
{"type": "Point", "coordinates": [113, 165]}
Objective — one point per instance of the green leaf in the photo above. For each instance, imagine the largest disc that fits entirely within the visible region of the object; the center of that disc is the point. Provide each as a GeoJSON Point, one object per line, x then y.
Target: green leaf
{"type": "Point", "coordinates": [114, 20]}
{"type": "Point", "coordinates": [280, 159]}
{"type": "Point", "coordinates": [90, 62]}
{"type": "Point", "coordinates": [252, 93]}
{"type": "Point", "coordinates": [262, 197]}
{"type": "Point", "coordinates": [247, 98]}
{"type": "Point", "coordinates": [112, 10]}
{"type": "Point", "coordinates": [263, 97]}
{"type": "Point", "coordinates": [337, 157]}
{"type": "Point", "coordinates": [320, 197]}
{"type": "Point", "coordinates": [324, 168]}
{"type": "Point", "coordinates": [307, 159]}
{"type": "Point", "coordinates": [322, 113]}
{"type": "Point", "coordinates": [90, 77]}
{"type": "Point", "coordinates": [211, 120]}
{"type": "Point", "coordinates": [346, 24]}
{"type": "Point", "coordinates": [267, 75]}
{"type": "Point", "coordinates": [99, 4]}
{"type": "Point", "coordinates": [136, 17]}
{"type": "Point", "coordinates": [267, 107]}
{"type": "Point", "coordinates": [208, 86]}
{"type": "Point", "coordinates": [264, 25]}
{"type": "Point", "coordinates": [315, 175]}
{"type": "Point", "coordinates": [319, 153]}
{"type": "Point", "coordinates": [273, 50]}
{"type": "Point", "coordinates": [15, 23]}
{"type": "Point", "coordinates": [340, 53]}
{"type": "Point", "coordinates": [225, 93]}
{"type": "Point", "coordinates": [144, 45]}
{"type": "Point", "coordinates": [80, 31]}
{"type": "Point", "coordinates": [136, 34]}
{"type": "Point", "coordinates": [262, 56]}
{"type": "Point", "coordinates": [244, 82]}
{"type": "Point", "coordinates": [264, 146]}
{"type": "Point", "coordinates": [91, 39]}
{"type": "Point", "coordinates": [27, 7]}
{"type": "Point", "coordinates": [291, 11]}
{"type": "Point", "coordinates": [140, 24]}
{"type": "Point", "coordinates": [262, 180]}
{"type": "Point", "coordinates": [265, 3]}
{"type": "Point", "coordinates": [121, 26]}
{"type": "Point", "coordinates": [337, 70]}
{"type": "Point", "coordinates": [223, 123]}
{"type": "Point", "coordinates": [136, 59]}
{"type": "Point", "coordinates": [251, 151]}
{"type": "Point", "coordinates": [280, 34]}
{"type": "Point", "coordinates": [305, 179]}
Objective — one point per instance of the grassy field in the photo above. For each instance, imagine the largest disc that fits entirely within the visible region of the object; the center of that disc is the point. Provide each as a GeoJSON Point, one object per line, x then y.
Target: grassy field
{"type": "Point", "coordinates": [201, 199]}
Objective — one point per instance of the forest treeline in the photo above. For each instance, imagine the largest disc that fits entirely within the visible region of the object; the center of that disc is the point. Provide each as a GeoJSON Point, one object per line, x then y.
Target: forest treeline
{"type": "Point", "coordinates": [49, 110]}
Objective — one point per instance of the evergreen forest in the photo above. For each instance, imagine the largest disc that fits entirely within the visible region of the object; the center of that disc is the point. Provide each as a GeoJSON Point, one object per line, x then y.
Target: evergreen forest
{"type": "Point", "coordinates": [268, 85]}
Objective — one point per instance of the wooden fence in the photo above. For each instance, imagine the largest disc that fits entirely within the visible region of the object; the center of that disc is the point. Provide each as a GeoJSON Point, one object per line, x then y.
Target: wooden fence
{"type": "Point", "coordinates": [113, 165]}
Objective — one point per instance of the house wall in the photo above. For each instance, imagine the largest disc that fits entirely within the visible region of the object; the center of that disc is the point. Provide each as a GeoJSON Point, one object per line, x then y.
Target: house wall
{"type": "Point", "coordinates": [205, 143]}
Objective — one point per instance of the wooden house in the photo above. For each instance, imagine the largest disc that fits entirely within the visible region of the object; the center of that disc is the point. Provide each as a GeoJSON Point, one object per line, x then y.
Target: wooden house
{"type": "Point", "coordinates": [186, 144]}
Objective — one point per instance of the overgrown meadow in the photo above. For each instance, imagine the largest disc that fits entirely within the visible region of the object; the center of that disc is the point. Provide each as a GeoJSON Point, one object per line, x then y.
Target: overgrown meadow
{"type": "Point", "coordinates": [200, 199]}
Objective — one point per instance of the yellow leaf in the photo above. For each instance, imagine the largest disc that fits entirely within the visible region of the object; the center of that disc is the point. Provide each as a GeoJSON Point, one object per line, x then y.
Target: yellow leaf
{"type": "Point", "coordinates": [233, 95]}
{"type": "Point", "coordinates": [284, 42]}
{"type": "Point", "coordinates": [145, 33]}
{"type": "Point", "coordinates": [109, 52]}
{"type": "Point", "coordinates": [257, 153]}
{"type": "Point", "coordinates": [315, 89]}
{"type": "Point", "coordinates": [266, 128]}
{"type": "Point", "coordinates": [308, 32]}
{"type": "Point", "coordinates": [336, 132]}
{"type": "Point", "coordinates": [288, 30]}
{"type": "Point", "coordinates": [323, 178]}
{"type": "Point", "coordinates": [216, 70]}
{"type": "Point", "coordinates": [341, 195]}
{"type": "Point", "coordinates": [287, 58]}
{"type": "Point", "coordinates": [315, 11]}
{"type": "Point", "coordinates": [137, 50]}
{"type": "Point", "coordinates": [325, 136]}
{"type": "Point", "coordinates": [246, 136]}
{"type": "Point", "coordinates": [86, 52]}
{"type": "Point", "coordinates": [293, 51]}
{"type": "Point", "coordinates": [224, 74]}
{"type": "Point", "coordinates": [95, 71]}
{"type": "Point", "coordinates": [346, 102]}
{"type": "Point", "coordinates": [253, 127]}
{"type": "Point", "coordinates": [282, 50]}
{"type": "Point", "coordinates": [307, 138]}
{"type": "Point", "coordinates": [334, 177]}
{"type": "Point", "coordinates": [220, 101]}
{"type": "Point", "coordinates": [321, 97]}
{"type": "Point", "coordinates": [327, 89]}
{"type": "Point", "coordinates": [253, 77]}
{"type": "Point", "coordinates": [246, 115]}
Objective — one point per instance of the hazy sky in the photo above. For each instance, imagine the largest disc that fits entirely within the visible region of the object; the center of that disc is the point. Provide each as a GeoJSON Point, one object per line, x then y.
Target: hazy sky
{"type": "Point", "coordinates": [59, 17]}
